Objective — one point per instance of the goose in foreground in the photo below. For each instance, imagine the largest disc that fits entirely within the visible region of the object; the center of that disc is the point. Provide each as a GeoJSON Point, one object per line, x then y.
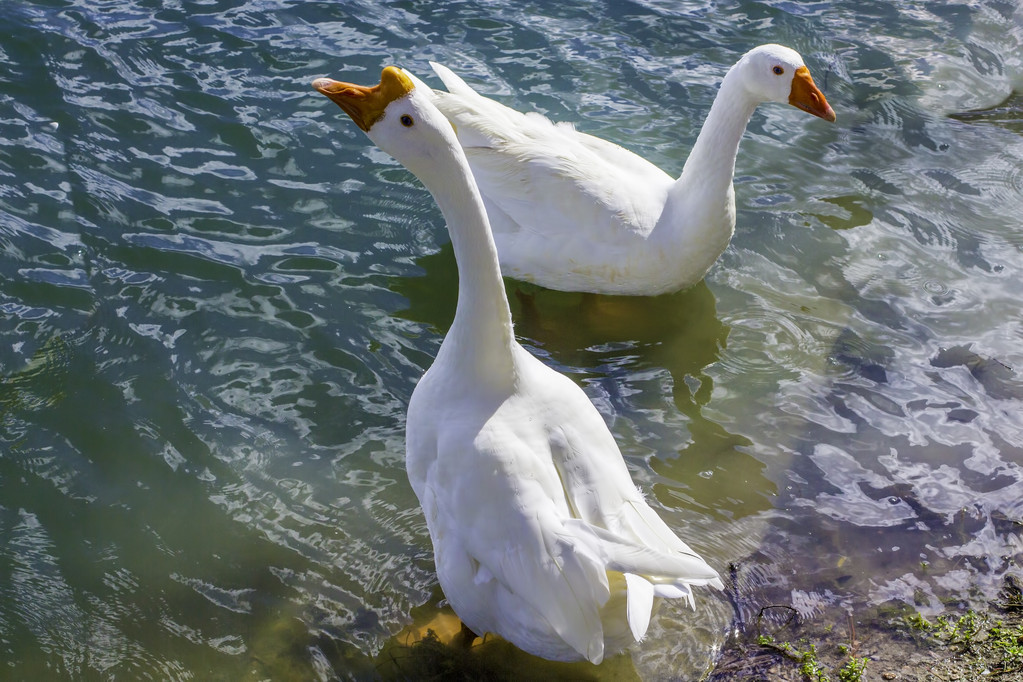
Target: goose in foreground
{"type": "Point", "coordinates": [539, 534]}
{"type": "Point", "coordinates": [574, 212]}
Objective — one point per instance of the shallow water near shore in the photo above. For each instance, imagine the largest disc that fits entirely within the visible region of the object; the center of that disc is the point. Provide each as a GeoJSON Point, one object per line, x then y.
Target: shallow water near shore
{"type": "Point", "coordinates": [216, 297]}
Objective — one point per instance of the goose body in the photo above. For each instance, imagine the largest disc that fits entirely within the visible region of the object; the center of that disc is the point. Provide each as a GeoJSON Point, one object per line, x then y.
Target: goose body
{"type": "Point", "coordinates": [539, 533]}
{"type": "Point", "coordinates": [574, 212]}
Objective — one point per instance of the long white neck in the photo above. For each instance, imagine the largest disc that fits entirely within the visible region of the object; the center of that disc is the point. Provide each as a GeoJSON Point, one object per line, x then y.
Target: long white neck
{"type": "Point", "coordinates": [700, 204]}
{"type": "Point", "coordinates": [481, 339]}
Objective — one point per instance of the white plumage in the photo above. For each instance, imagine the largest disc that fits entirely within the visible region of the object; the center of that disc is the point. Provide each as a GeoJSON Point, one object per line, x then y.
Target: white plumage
{"type": "Point", "coordinates": [539, 533]}
{"type": "Point", "coordinates": [574, 212]}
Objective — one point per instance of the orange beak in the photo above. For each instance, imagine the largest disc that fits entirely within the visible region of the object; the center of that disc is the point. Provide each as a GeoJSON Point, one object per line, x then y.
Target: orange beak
{"type": "Point", "coordinates": [364, 104]}
{"type": "Point", "coordinates": [805, 95]}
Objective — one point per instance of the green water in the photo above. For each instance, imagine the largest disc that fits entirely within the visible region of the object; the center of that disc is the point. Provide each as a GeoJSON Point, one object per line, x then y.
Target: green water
{"type": "Point", "coordinates": [216, 297]}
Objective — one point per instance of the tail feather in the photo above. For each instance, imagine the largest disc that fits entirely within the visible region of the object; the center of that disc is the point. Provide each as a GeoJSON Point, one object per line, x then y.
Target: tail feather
{"type": "Point", "coordinates": [624, 556]}
{"type": "Point", "coordinates": [453, 82]}
{"type": "Point", "coordinates": [640, 595]}
{"type": "Point", "coordinates": [480, 122]}
{"type": "Point", "coordinates": [676, 591]}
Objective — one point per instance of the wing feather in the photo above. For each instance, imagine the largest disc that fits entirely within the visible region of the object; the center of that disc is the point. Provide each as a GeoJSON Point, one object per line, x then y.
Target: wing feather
{"type": "Point", "coordinates": [524, 163]}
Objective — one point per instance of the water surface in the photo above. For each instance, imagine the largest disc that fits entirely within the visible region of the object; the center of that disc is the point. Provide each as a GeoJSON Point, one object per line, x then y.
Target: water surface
{"type": "Point", "coordinates": [216, 297]}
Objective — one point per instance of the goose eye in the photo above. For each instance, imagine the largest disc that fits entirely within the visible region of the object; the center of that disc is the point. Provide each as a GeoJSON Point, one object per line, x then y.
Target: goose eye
{"type": "Point", "coordinates": [778, 71]}
{"type": "Point", "coordinates": [407, 121]}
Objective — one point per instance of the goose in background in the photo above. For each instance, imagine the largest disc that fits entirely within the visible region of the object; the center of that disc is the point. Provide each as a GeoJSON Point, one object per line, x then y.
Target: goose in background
{"type": "Point", "coordinates": [573, 212]}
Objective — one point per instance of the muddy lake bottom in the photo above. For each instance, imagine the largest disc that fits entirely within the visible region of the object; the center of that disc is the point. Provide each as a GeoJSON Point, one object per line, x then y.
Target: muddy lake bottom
{"type": "Point", "coordinates": [891, 641]}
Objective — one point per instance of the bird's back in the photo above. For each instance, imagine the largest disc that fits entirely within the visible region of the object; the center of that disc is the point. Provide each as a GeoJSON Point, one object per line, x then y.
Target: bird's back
{"type": "Point", "coordinates": [535, 519]}
{"type": "Point", "coordinates": [568, 210]}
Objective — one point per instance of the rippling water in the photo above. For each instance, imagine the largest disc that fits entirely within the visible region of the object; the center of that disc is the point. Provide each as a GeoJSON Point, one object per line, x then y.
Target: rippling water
{"type": "Point", "coordinates": [216, 297]}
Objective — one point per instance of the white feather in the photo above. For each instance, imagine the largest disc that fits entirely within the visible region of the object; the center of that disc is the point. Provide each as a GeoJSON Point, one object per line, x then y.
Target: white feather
{"type": "Point", "coordinates": [641, 603]}
{"type": "Point", "coordinates": [532, 513]}
{"type": "Point", "coordinates": [574, 212]}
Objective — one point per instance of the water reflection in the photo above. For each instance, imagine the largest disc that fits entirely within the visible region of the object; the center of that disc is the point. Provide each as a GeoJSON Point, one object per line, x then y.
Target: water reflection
{"type": "Point", "coordinates": [215, 302]}
{"type": "Point", "coordinates": [1008, 114]}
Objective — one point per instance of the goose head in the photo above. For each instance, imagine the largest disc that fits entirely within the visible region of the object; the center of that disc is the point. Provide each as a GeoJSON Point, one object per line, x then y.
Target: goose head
{"type": "Point", "coordinates": [398, 117]}
{"type": "Point", "coordinates": [775, 73]}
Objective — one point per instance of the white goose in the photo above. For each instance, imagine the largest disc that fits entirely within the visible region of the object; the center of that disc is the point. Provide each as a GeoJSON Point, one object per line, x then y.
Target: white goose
{"type": "Point", "coordinates": [574, 212]}
{"type": "Point", "coordinates": [539, 533]}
